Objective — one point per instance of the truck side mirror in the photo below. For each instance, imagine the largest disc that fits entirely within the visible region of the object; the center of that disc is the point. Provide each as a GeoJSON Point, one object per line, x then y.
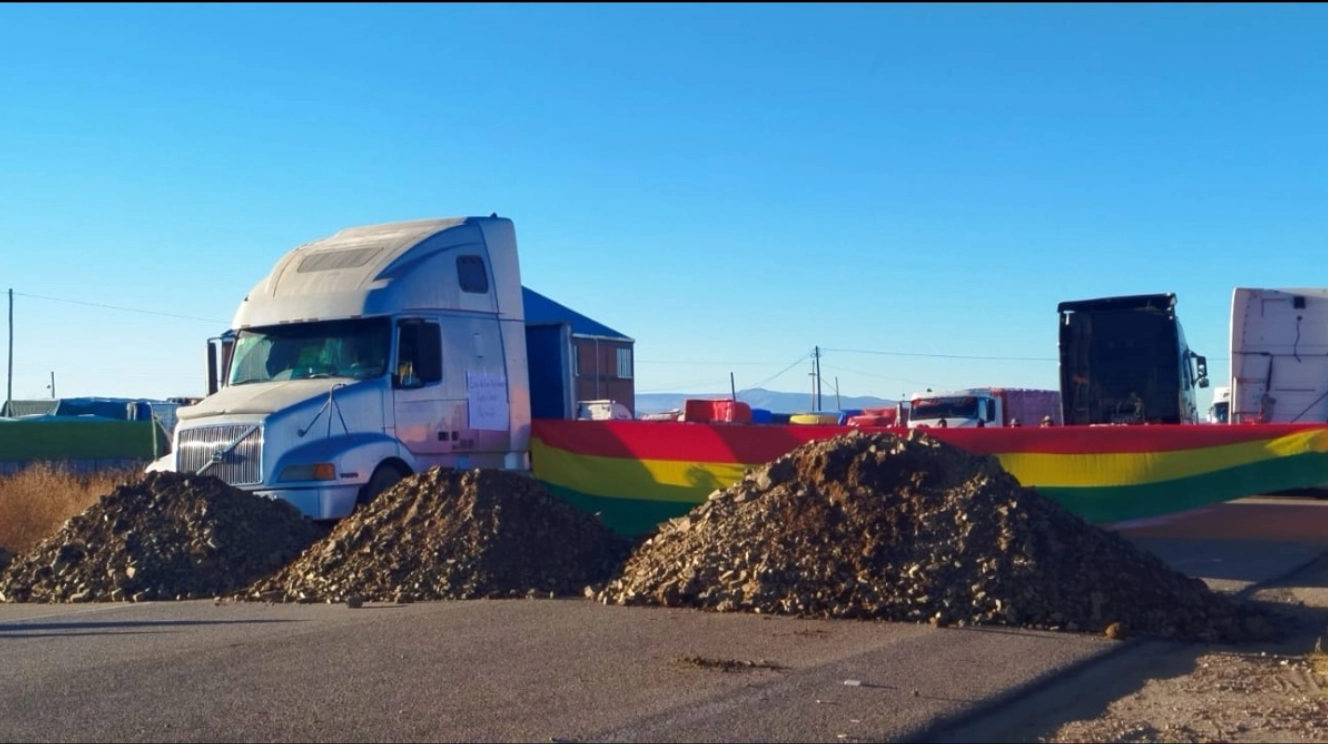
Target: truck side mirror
{"type": "Point", "coordinates": [1201, 363]}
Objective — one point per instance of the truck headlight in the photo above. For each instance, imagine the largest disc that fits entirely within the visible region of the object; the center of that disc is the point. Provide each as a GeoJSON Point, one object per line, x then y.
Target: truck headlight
{"type": "Point", "coordinates": [312, 472]}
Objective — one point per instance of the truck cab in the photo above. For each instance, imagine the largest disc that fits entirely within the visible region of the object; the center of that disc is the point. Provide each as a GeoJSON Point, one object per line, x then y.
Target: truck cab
{"type": "Point", "coordinates": [1124, 360]}
{"type": "Point", "coordinates": [949, 409]}
{"type": "Point", "coordinates": [984, 407]}
{"type": "Point", "coordinates": [363, 357]}
{"type": "Point", "coordinates": [1219, 411]}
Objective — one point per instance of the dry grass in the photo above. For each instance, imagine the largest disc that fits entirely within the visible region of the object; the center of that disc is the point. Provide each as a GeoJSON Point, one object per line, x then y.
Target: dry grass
{"type": "Point", "coordinates": [35, 501]}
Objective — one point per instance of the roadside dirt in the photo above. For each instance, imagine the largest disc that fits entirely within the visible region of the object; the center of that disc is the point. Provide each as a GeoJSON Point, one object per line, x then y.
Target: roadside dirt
{"type": "Point", "coordinates": [909, 528]}
{"type": "Point", "coordinates": [1265, 692]}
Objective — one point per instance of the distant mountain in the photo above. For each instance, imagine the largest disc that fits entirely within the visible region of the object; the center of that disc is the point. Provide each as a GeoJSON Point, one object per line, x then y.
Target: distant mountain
{"type": "Point", "coordinates": [770, 400]}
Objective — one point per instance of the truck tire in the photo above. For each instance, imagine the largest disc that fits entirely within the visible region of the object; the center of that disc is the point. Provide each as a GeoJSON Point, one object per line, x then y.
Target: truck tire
{"type": "Point", "coordinates": [382, 479]}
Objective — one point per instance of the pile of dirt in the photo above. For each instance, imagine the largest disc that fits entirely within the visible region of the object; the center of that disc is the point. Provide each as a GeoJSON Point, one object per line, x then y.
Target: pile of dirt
{"type": "Point", "coordinates": [453, 534]}
{"type": "Point", "coordinates": [881, 526]}
{"type": "Point", "coordinates": [166, 536]}
{"type": "Point", "coordinates": [5, 558]}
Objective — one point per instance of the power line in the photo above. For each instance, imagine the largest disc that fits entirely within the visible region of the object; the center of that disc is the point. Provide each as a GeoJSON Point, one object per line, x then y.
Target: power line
{"type": "Point", "coordinates": [969, 356]}
{"type": "Point", "coordinates": [880, 376]}
{"type": "Point", "coordinates": [942, 356]}
{"type": "Point", "coordinates": [118, 307]}
{"type": "Point", "coordinates": [708, 382]}
{"type": "Point", "coordinates": [780, 373]}
{"type": "Point", "coordinates": [710, 362]}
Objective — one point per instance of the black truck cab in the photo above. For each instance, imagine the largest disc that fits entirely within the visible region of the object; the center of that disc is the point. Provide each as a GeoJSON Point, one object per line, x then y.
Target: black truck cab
{"type": "Point", "coordinates": [1124, 360]}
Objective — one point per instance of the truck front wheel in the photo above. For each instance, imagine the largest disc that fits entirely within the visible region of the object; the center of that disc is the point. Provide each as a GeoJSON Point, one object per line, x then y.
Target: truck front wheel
{"type": "Point", "coordinates": [382, 479]}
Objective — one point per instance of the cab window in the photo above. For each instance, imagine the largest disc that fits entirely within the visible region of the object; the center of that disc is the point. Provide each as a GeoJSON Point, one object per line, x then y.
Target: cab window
{"type": "Point", "coordinates": [419, 354]}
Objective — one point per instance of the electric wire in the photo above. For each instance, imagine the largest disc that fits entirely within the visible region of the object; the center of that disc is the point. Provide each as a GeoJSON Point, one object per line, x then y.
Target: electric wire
{"type": "Point", "coordinates": [780, 373]}
{"type": "Point", "coordinates": [121, 308]}
{"type": "Point", "coordinates": [942, 356]}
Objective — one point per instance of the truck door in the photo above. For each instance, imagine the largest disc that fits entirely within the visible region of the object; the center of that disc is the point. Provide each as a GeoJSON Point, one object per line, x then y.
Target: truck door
{"type": "Point", "coordinates": [477, 366]}
{"type": "Point", "coordinates": [421, 406]}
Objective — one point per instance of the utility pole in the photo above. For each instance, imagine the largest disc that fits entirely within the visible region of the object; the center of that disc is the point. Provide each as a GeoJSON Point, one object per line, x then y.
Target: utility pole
{"type": "Point", "coordinates": [9, 379]}
{"type": "Point", "coordinates": [812, 375]}
{"type": "Point", "coordinates": [838, 405]}
{"type": "Point", "coordinates": [817, 355]}
{"type": "Point", "coordinates": [52, 385]}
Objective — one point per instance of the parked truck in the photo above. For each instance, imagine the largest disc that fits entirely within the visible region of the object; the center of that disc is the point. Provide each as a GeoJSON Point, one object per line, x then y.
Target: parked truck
{"type": "Point", "coordinates": [988, 406]}
{"type": "Point", "coordinates": [372, 354]}
{"type": "Point", "coordinates": [1279, 355]}
{"type": "Point", "coordinates": [1124, 360]}
{"type": "Point", "coordinates": [1219, 412]}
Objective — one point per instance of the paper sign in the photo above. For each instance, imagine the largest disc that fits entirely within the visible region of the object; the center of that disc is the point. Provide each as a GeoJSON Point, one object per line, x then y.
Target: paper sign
{"type": "Point", "coordinates": [486, 395]}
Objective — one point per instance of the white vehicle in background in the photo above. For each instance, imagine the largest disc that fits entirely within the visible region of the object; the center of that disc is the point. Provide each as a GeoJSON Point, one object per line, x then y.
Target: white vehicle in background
{"type": "Point", "coordinates": [1219, 412]}
{"type": "Point", "coordinates": [1279, 356]}
{"type": "Point", "coordinates": [982, 407]}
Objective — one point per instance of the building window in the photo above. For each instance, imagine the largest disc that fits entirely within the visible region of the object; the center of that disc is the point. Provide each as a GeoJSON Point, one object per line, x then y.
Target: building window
{"type": "Point", "coordinates": [471, 275]}
{"type": "Point", "coordinates": [625, 363]}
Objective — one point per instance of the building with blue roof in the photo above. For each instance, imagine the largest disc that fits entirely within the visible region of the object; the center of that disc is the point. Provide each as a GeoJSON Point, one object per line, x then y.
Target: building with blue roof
{"type": "Point", "coordinates": [600, 358]}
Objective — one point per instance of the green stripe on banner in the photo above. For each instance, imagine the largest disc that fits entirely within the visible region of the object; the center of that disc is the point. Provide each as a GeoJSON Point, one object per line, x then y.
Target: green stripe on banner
{"type": "Point", "coordinates": [627, 517]}
{"type": "Point", "coordinates": [1104, 505]}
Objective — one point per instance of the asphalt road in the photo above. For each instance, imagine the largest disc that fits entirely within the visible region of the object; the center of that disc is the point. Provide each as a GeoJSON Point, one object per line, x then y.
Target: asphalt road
{"type": "Point", "coordinates": [527, 670]}
{"type": "Point", "coordinates": [569, 670]}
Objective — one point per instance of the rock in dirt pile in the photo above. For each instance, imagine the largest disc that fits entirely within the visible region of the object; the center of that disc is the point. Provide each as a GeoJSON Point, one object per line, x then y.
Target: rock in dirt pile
{"type": "Point", "coordinates": [881, 526]}
{"type": "Point", "coordinates": [5, 558]}
{"type": "Point", "coordinates": [453, 534]}
{"type": "Point", "coordinates": [166, 536]}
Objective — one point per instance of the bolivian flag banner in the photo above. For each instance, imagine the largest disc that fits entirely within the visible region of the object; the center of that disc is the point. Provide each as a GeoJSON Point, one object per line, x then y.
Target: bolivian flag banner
{"type": "Point", "coordinates": [637, 474]}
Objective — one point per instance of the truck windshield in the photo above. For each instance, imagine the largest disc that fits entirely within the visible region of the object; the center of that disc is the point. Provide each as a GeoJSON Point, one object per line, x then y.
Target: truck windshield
{"type": "Point", "coordinates": [357, 349]}
{"type": "Point", "coordinates": [947, 408]}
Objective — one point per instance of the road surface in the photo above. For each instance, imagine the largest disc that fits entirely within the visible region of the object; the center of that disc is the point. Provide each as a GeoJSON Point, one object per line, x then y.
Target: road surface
{"type": "Point", "coordinates": [572, 669]}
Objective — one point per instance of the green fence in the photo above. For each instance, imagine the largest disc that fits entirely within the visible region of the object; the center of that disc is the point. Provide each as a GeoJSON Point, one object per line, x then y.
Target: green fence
{"type": "Point", "coordinates": [72, 442]}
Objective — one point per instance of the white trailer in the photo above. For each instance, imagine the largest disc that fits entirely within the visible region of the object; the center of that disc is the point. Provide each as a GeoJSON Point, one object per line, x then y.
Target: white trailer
{"type": "Point", "coordinates": [1279, 355]}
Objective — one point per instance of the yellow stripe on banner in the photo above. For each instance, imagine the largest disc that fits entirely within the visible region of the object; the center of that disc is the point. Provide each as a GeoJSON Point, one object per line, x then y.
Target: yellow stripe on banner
{"type": "Point", "coordinates": [683, 481]}
{"type": "Point", "coordinates": [617, 477]}
{"type": "Point", "coordinates": [1135, 468]}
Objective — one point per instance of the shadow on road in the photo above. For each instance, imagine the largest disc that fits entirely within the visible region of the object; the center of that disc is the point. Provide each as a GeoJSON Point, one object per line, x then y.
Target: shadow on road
{"type": "Point", "coordinates": [1086, 690]}
{"type": "Point", "coordinates": [20, 629]}
{"type": "Point", "coordinates": [1082, 691]}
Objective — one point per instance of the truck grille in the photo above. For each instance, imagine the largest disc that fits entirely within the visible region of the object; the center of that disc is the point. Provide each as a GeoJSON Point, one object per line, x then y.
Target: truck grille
{"type": "Point", "coordinates": [241, 465]}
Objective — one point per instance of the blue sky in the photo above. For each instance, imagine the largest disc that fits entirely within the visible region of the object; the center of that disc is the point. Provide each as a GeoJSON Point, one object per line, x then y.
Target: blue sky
{"type": "Point", "coordinates": [731, 185]}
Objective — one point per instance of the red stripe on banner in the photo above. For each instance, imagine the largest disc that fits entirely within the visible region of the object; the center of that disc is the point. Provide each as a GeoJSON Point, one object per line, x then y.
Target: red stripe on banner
{"type": "Point", "coordinates": [665, 440]}
{"type": "Point", "coordinates": [761, 443]}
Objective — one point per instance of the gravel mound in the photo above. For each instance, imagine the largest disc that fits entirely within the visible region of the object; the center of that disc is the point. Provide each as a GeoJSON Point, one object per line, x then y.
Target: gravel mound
{"type": "Point", "coordinates": [167, 536]}
{"type": "Point", "coordinates": [882, 526]}
{"type": "Point", "coordinates": [453, 534]}
{"type": "Point", "coordinates": [5, 558]}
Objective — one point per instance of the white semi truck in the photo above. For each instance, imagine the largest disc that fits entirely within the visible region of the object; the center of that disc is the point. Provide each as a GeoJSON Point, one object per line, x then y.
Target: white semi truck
{"type": "Point", "coordinates": [989, 406]}
{"type": "Point", "coordinates": [364, 357]}
{"type": "Point", "coordinates": [1279, 355]}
